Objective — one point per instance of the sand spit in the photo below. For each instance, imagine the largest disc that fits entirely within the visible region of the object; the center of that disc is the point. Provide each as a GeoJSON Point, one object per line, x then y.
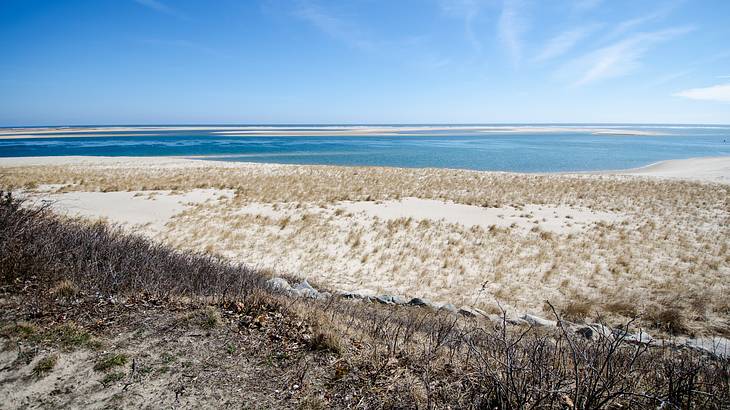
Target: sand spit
{"type": "Point", "coordinates": [241, 131]}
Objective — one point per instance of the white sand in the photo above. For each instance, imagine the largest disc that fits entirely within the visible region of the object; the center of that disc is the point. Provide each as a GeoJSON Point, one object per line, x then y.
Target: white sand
{"type": "Point", "coordinates": [558, 219]}
{"type": "Point", "coordinates": [150, 209]}
{"type": "Point", "coordinates": [715, 169]}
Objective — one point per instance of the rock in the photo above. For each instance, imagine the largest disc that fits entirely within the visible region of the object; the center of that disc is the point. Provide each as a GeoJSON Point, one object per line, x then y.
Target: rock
{"type": "Point", "coordinates": [349, 295]}
{"type": "Point", "coordinates": [601, 330]}
{"type": "Point", "coordinates": [398, 300]}
{"type": "Point", "coordinates": [641, 337]}
{"type": "Point", "coordinates": [420, 302]}
{"type": "Point", "coordinates": [449, 308]}
{"type": "Point", "coordinates": [304, 289]}
{"type": "Point", "coordinates": [279, 285]}
{"type": "Point", "coordinates": [498, 319]}
{"type": "Point", "coordinates": [479, 311]}
{"type": "Point", "coordinates": [384, 299]}
{"type": "Point", "coordinates": [390, 300]}
{"type": "Point", "coordinates": [538, 321]}
{"type": "Point", "coordinates": [304, 285]}
{"type": "Point", "coordinates": [714, 345]}
{"type": "Point", "coordinates": [587, 332]}
{"type": "Point", "coordinates": [356, 294]}
{"type": "Point", "coordinates": [593, 331]}
{"type": "Point", "coordinates": [469, 311]}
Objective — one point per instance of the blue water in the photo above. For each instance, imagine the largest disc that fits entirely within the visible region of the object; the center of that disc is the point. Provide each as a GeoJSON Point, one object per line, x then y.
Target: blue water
{"type": "Point", "coordinates": [521, 152]}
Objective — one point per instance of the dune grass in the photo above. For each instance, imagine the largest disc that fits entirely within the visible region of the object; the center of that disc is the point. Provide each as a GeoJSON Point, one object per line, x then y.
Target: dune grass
{"type": "Point", "coordinates": [380, 356]}
{"type": "Point", "coordinates": [666, 261]}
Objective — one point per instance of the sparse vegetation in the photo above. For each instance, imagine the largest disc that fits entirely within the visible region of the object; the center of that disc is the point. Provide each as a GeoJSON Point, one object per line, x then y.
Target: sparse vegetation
{"type": "Point", "coordinates": [45, 365]}
{"type": "Point", "coordinates": [109, 361]}
{"type": "Point", "coordinates": [211, 318]}
{"type": "Point", "coordinates": [448, 262]}
{"type": "Point", "coordinates": [112, 378]}
{"type": "Point", "coordinates": [670, 245]}
{"type": "Point", "coordinates": [362, 354]}
{"type": "Point", "coordinates": [64, 289]}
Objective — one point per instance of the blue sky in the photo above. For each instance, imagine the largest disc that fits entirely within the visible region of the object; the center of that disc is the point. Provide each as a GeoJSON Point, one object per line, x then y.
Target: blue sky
{"type": "Point", "coordinates": [363, 61]}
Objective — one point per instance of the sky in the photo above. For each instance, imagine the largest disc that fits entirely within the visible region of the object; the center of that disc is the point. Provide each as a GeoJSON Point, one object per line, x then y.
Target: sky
{"type": "Point", "coordinates": [95, 62]}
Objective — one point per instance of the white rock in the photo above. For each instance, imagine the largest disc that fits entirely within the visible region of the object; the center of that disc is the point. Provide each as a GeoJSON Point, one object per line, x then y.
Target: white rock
{"type": "Point", "coordinates": [279, 285]}
{"type": "Point", "coordinates": [538, 321]}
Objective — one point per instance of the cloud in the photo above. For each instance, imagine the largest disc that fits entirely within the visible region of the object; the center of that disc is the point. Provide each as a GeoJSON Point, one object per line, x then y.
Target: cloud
{"type": "Point", "coordinates": [617, 59]}
{"type": "Point", "coordinates": [335, 27]}
{"type": "Point", "coordinates": [161, 7]}
{"type": "Point", "coordinates": [720, 92]}
{"type": "Point", "coordinates": [468, 11]}
{"type": "Point", "coordinates": [628, 25]}
{"type": "Point", "coordinates": [510, 28]}
{"type": "Point", "coordinates": [564, 42]}
{"type": "Point", "coordinates": [667, 78]}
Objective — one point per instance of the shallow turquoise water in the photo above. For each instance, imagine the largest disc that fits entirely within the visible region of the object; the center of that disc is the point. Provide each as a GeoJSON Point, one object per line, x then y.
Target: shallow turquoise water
{"type": "Point", "coordinates": [558, 151]}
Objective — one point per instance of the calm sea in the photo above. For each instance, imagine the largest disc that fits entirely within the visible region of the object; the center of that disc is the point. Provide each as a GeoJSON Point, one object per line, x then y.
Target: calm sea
{"type": "Point", "coordinates": [559, 150]}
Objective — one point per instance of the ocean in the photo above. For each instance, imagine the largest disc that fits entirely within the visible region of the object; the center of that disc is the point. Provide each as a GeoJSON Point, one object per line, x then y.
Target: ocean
{"type": "Point", "coordinates": [517, 148]}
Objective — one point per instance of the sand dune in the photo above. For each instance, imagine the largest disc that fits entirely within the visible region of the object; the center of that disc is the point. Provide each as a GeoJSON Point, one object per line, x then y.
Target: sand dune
{"type": "Point", "coordinates": [715, 169]}
{"type": "Point", "coordinates": [640, 243]}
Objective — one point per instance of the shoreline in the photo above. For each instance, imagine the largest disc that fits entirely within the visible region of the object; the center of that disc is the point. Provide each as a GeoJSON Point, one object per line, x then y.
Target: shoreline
{"type": "Point", "coordinates": [702, 169]}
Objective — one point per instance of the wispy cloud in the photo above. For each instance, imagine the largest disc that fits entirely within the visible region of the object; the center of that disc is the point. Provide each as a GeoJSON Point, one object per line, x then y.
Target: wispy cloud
{"type": "Point", "coordinates": [720, 92]}
{"type": "Point", "coordinates": [627, 26]}
{"type": "Point", "coordinates": [334, 26]}
{"type": "Point", "coordinates": [667, 78]}
{"type": "Point", "coordinates": [511, 27]}
{"type": "Point", "coordinates": [619, 58]}
{"type": "Point", "coordinates": [161, 7]}
{"type": "Point", "coordinates": [467, 10]}
{"type": "Point", "coordinates": [564, 42]}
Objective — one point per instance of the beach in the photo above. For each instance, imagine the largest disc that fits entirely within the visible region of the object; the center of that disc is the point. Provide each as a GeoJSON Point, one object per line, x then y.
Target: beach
{"type": "Point", "coordinates": [634, 242]}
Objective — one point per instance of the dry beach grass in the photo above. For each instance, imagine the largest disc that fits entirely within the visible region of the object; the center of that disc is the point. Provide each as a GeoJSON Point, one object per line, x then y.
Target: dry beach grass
{"type": "Point", "coordinates": [94, 317]}
{"type": "Point", "coordinates": [656, 249]}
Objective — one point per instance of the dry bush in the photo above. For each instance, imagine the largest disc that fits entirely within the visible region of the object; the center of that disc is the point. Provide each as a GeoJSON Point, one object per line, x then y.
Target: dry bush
{"type": "Point", "coordinates": [577, 310]}
{"type": "Point", "coordinates": [64, 289]}
{"type": "Point", "coordinates": [622, 308]}
{"type": "Point", "coordinates": [34, 240]}
{"type": "Point", "coordinates": [669, 318]}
